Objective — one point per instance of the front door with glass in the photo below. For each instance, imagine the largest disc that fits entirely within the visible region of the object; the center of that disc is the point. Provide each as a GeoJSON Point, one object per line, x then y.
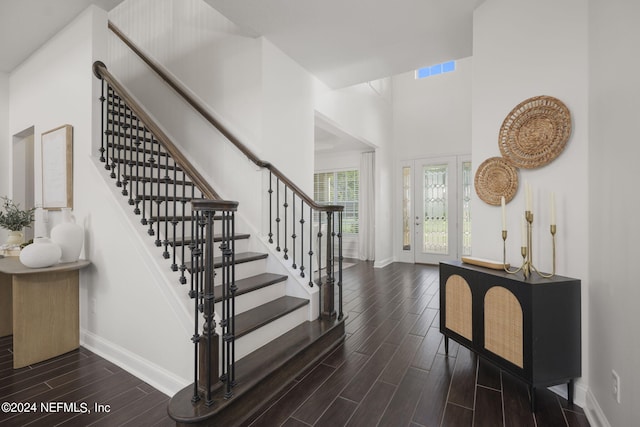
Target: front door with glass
{"type": "Point", "coordinates": [435, 209]}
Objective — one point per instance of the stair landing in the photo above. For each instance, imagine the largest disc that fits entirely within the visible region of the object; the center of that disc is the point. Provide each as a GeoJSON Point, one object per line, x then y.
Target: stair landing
{"type": "Point", "coordinates": [261, 375]}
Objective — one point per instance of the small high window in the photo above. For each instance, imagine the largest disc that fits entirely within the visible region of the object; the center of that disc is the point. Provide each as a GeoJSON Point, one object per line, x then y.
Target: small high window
{"type": "Point", "coordinates": [433, 70]}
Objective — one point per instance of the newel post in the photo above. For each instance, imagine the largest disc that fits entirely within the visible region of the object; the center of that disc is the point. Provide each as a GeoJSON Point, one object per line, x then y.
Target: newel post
{"type": "Point", "coordinates": [328, 296]}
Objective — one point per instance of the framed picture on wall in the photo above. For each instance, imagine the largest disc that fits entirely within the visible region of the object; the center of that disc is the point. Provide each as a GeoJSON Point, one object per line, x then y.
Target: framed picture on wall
{"type": "Point", "coordinates": [57, 168]}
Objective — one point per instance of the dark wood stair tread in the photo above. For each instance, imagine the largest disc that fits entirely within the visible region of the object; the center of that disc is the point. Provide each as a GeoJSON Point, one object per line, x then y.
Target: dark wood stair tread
{"type": "Point", "coordinates": [166, 198]}
{"type": "Point", "coordinates": [264, 314]}
{"type": "Point", "coordinates": [178, 182]}
{"type": "Point", "coordinates": [261, 375]}
{"type": "Point", "coordinates": [240, 258]}
{"type": "Point", "coordinates": [145, 164]}
{"type": "Point", "coordinates": [216, 238]}
{"type": "Point", "coordinates": [252, 283]}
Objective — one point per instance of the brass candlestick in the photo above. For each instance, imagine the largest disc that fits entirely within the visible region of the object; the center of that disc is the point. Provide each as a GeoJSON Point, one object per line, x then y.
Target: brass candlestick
{"type": "Point", "coordinates": [527, 266]}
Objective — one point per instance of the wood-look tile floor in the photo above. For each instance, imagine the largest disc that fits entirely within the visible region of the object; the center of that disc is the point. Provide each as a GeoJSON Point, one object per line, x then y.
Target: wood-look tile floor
{"type": "Point", "coordinates": [390, 371]}
{"type": "Point", "coordinates": [81, 378]}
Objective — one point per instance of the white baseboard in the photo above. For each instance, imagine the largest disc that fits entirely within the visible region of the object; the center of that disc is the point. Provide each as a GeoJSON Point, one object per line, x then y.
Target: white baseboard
{"type": "Point", "coordinates": [382, 263]}
{"type": "Point", "coordinates": [594, 412]}
{"type": "Point", "coordinates": [585, 399]}
{"type": "Point", "coordinates": [156, 376]}
{"type": "Point", "coordinates": [579, 393]}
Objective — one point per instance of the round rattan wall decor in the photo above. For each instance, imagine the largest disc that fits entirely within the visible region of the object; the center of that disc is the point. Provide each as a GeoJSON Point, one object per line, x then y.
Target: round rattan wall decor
{"type": "Point", "coordinates": [535, 132]}
{"type": "Point", "coordinates": [496, 178]}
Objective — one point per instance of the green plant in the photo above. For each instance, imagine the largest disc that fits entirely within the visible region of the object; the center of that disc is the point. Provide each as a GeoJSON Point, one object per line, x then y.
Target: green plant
{"type": "Point", "coordinates": [13, 218]}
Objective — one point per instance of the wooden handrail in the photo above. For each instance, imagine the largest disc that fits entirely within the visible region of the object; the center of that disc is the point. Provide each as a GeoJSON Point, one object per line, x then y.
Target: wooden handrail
{"type": "Point", "coordinates": [100, 71]}
{"type": "Point", "coordinates": [204, 112]}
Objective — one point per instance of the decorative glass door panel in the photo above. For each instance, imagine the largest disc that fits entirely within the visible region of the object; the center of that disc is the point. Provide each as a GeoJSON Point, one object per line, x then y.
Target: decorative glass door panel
{"type": "Point", "coordinates": [436, 215]}
{"type": "Point", "coordinates": [407, 209]}
{"type": "Point", "coordinates": [435, 238]}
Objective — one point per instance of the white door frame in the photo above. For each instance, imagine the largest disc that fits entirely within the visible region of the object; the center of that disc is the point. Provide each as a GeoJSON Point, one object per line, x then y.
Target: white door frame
{"type": "Point", "coordinates": [412, 253]}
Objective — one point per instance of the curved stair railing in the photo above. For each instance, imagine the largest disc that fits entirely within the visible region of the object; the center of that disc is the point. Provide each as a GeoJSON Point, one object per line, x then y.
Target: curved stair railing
{"type": "Point", "coordinates": [173, 199]}
{"type": "Point", "coordinates": [296, 223]}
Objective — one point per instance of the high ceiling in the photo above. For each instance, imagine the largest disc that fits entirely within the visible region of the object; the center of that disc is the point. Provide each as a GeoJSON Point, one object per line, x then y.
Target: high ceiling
{"type": "Point", "coordinates": [344, 42]}
{"type": "Point", "coordinates": [25, 25]}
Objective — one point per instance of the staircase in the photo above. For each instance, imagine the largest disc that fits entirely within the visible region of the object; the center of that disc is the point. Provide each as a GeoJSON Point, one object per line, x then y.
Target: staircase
{"type": "Point", "coordinates": [266, 339]}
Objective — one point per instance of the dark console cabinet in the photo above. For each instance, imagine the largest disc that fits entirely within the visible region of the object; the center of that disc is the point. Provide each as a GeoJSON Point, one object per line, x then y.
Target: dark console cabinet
{"type": "Point", "coordinates": [530, 328]}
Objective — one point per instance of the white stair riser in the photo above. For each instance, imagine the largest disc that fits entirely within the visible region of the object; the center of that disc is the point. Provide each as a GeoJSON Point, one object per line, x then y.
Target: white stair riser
{"type": "Point", "coordinates": [256, 339]}
{"type": "Point", "coordinates": [244, 270]}
{"type": "Point", "coordinates": [256, 298]}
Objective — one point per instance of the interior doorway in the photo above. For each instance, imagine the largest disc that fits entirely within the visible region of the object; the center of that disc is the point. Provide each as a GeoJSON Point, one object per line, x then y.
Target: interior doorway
{"type": "Point", "coordinates": [23, 189]}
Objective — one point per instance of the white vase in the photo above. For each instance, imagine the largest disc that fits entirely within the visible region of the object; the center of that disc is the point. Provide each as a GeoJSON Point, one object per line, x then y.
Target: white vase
{"type": "Point", "coordinates": [69, 236]}
{"type": "Point", "coordinates": [15, 238]}
{"type": "Point", "coordinates": [41, 253]}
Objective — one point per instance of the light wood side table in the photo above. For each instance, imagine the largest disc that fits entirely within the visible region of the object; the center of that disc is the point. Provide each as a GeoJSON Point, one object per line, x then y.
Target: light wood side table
{"type": "Point", "coordinates": [40, 307]}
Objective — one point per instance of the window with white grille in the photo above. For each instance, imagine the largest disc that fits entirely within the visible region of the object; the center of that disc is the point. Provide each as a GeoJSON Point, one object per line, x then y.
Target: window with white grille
{"type": "Point", "coordinates": [340, 188]}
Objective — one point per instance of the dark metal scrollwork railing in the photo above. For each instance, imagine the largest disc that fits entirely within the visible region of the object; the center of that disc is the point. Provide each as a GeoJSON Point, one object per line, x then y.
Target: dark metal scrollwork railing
{"type": "Point", "coordinates": [203, 262]}
{"type": "Point", "coordinates": [173, 199]}
{"type": "Point", "coordinates": [317, 256]}
{"type": "Point", "coordinates": [287, 225]}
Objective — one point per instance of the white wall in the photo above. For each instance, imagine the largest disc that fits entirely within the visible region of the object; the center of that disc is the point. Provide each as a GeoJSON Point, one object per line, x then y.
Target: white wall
{"type": "Point", "coordinates": [614, 317]}
{"type": "Point", "coordinates": [287, 116]}
{"type": "Point", "coordinates": [5, 144]}
{"type": "Point", "coordinates": [260, 94]}
{"type": "Point", "coordinates": [364, 111]}
{"type": "Point", "coordinates": [525, 49]}
{"type": "Point", "coordinates": [125, 312]}
{"type": "Point", "coordinates": [432, 116]}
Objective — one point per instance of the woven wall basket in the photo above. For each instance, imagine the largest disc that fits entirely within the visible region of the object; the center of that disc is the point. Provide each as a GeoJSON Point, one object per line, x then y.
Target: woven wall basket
{"type": "Point", "coordinates": [535, 132]}
{"type": "Point", "coordinates": [495, 178]}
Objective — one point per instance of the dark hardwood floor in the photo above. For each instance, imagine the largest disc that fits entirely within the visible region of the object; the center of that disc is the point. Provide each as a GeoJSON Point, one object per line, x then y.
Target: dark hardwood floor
{"type": "Point", "coordinates": [81, 378]}
{"type": "Point", "coordinates": [390, 371]}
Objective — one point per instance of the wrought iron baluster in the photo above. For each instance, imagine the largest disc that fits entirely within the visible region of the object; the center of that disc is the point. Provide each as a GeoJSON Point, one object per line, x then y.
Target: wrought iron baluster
{"type": "Point", "coordinates": [301, 238]}
{"type": "Point", "coordinates": [340, 314]}
{"type": "Point", "coordinates": [270, 207]}
{"type": "Point", "coordinates": [109, 132]}
{"type": "Point", "coordinates": [311, 246]}
{"type": "Point", "coordinates": [103, 119]}
{"type": "Point", "coordinates": [136, 210]}
{"type": "Point", "coordinates": [174, 219]}
{"type": "Point", "coordinates": [154, 164]}
{"type": "Point", "coordinates": [286, 206]}
{"type": "Point", "coordinates": [278, 214]}
{"type": "Point", "coordinates": [293, 230]}
{"type": "Point", "coordinates": [160, 200]}
{"type": "Point", "coordinates": [143, 220]}
{"type": "Point", "coordinates": [117, 147]}
{"type": "Point", "coordinates": [183, 203]}
{"type": "Point", "coordinates": [128, 150]}
{"type": "Point", "coordinates": [319, 257]}
{"type": "Point", "coordinates": [166, 180]}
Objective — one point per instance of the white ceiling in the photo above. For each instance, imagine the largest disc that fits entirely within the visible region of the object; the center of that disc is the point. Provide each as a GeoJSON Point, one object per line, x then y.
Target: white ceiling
{"type": "Point", "coordinates": [342, 42]}
{"type": "Point", "coordinates": [25, 25]}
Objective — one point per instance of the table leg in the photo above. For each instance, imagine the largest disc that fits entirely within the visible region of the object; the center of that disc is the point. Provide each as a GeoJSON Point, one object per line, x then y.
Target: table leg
{"type": "Point", "coordinates": [532, 391]}
{"type": "Point", "coordinates": [570, 389]}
